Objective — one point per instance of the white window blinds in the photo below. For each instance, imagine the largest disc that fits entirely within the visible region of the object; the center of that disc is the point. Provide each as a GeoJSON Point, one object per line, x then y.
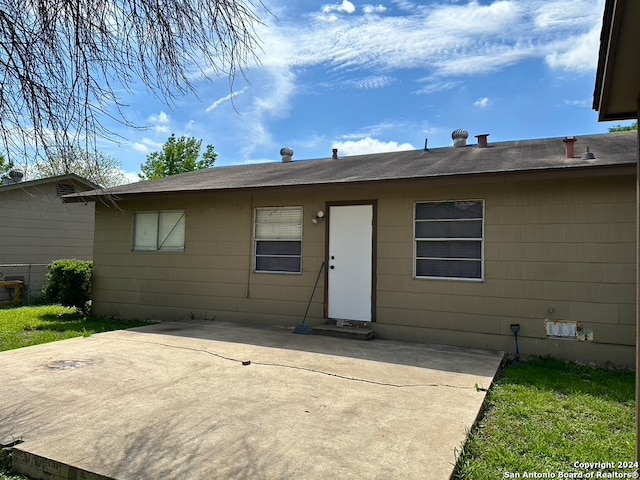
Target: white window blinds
{"type": "Point", "coordinates": [278, 239]}
{"type": "Point", "coordinates": [159, 231]}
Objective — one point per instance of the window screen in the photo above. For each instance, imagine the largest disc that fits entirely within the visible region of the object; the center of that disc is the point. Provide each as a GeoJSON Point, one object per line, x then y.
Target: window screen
{"type": "Point", "coordinates": [278, 239]}
{"type": "Point", "coordinates": [448, 239]}
{"type": "Point", "coordinates": [162, 231]}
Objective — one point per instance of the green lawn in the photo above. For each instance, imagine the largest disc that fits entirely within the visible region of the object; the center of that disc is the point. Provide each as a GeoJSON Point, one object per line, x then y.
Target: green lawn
{"type": "Point", "coordinates": [24, 326]}
{"type": "Point", "coordinates": [545, 415]}
{"type": "Point", "coordinates": [541, 417]}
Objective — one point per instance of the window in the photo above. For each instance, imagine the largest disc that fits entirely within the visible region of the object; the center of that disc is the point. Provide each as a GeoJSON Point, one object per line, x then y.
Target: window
{"type": "Point", "coordinates": [159, 231]}
{"type": "Point", "coordinates": [278, 239]}
{"type": "Point", "coordinates": [448, 239]}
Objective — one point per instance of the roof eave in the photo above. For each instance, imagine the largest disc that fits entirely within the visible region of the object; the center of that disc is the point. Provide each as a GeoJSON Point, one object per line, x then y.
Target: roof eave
{"type": "Point", "coordinates": [617, 82]}
{"type": "Point", "coordinates": [549, 172]}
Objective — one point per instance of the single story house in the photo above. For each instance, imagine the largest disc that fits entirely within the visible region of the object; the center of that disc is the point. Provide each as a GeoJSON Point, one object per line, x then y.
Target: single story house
{"type": "Point", "coordinates": [453, 245]}
{"type": "Point", "coordinates": [617, 97]}
{"type": "Point", "coordinates": [38, 227]}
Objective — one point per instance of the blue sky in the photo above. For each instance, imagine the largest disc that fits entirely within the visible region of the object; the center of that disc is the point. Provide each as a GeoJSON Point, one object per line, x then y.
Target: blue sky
{"type": "Point", "coordinates": [383, 76]}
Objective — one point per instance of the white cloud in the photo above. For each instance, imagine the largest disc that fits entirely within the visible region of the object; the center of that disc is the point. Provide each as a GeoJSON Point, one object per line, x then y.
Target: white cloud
{"type": "Point", "coordinates": [160, 123]}
{"type": "Point", "coordinates": [475, 19]}
{"type": "Point", "coordinates": [162, 129]}
{"type": "Point", "coordinates": [482, 102]}
{"type": "Point", "coordinates": [405, 5]}
{"type": "Point", "coordinates": [146, 145]}
{"type": "Point", "coordinates": [567, 13]}
{"type": "Point", "coordinates": [448, 39]}
{"type": "Point", "coordinates": [369, 145]}
{"type": "Point", "coordinates": [140, 148]}
{"type": "Point", "coordinates": [369, 9]}
{"type": "Point", "coordinates": [586, 103]}
{"type": "Point", "coordinates": [371, 83]}
{"type": "Point", "coordinates": [345, 7]}
{"type": "Point", "coordinates": [224, 100]}
{"type": "Point", "coordinates": [435, 85]}
{"type": "Point", "coordinates": [272, 96]}
{"type": "Point", "coordinates": [579, 54]}
{"type": "Point", "coordinates": [372, 130]}
{"type": "Point", "coordinates": [131, 177]}
{"type": "Point", "coordinates": [160, 119]}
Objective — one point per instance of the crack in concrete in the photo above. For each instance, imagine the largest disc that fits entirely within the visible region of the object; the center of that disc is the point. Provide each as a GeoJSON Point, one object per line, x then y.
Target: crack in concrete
{"type": "Point", "coordinates": [312, 370]}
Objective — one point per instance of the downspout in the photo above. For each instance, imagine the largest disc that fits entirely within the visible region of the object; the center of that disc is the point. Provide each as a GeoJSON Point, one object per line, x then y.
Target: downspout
{"type": "Point", "coordinates": [251, 243]}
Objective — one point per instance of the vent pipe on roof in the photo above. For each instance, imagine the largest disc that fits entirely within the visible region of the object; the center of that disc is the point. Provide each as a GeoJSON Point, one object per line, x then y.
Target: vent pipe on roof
{"type": "Point", "coordinates": [334, 154]}
{"type": "Point", "coordinates": [426, 140]}
{"type": "Point", "coordinates": [482, 140]}
{"type": "Point", "coordinates": [588, 155]}
{"type": "Point", "coordinates": [570, 147]}
{"type": "Point", "coordinates": [11, 177]}
{"type": "Point", "coordinates": [459, 137]}
{"type": "Point", "coordinates": [287, 155]}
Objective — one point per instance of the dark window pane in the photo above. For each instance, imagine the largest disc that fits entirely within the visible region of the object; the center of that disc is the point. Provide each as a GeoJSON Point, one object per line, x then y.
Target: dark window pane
{"type": "Point", "coordinates": [449, 268]}
{"type": "Point", "coordinates": [445, 229]}
{"type": "Point", "coordinates": [278, 248]}
{"type": "Point", "coordinates": [278, 264]}
{"type": "Point", "coordinates": [451, 249]}
{"type": "Point", "coordinates": [448, 210]}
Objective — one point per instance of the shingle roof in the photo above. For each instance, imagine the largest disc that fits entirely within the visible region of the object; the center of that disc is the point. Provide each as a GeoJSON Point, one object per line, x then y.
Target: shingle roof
{"type": "Point", "coordinates": [517, 156]}
{"type": "Point", "coordinates": [72, 177]}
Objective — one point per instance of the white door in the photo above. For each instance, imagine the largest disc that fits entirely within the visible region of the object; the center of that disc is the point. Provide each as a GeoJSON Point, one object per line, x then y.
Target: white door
{"type": "Point", "coordinates": [350, 262]}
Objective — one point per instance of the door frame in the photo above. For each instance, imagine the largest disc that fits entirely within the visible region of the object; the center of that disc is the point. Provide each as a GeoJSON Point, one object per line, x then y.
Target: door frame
{"type": "Point", "coordinates": [374, 251]}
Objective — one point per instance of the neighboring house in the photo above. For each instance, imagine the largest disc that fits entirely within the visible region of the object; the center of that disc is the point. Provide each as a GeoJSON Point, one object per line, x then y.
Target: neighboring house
{"type": "Point", "coordinates": [446, 246]}
{"type": "Point", "coordinates": [38, 227]}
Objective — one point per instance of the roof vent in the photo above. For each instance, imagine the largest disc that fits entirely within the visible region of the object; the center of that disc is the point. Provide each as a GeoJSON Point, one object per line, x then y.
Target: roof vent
{"type": "Point", "coordinates": [334, 154]}
{"type": "Point", "coordinates": [65, 189]}
{"type": "Point", "coordinates": [482, 140]}
{"type": "Point", "coordinates": [588, 155]}
{"type": "Point", "coordinates": [459, 137]}
{"type": "Point", "coordinates": [11, 177]}
{"type": "Point", "coordinates": [287, 155]}
{"type": "Point", "coordinates": [426, 141]}
{"type": "Point", "coordinates": [570, 147]}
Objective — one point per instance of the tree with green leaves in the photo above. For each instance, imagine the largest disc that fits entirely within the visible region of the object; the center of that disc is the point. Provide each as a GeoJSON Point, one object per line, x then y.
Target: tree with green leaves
{"type": "Point", "coordinates": [4, 165]}
{"type": "Point", "coordinates": [178, 155]}
{"type": "Point", "coordinates": [624, 128]}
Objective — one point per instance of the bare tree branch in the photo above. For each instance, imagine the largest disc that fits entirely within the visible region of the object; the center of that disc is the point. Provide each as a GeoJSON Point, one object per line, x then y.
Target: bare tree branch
{"type": "Point", "coordinates": [62, 62]}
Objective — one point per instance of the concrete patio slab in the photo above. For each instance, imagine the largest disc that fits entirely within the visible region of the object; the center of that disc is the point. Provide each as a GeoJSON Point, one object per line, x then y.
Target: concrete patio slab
{"type": "Point", "coordinates": [225, 401]}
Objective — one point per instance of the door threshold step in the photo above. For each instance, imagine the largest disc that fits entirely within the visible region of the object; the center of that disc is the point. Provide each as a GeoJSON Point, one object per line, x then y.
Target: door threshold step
{"type": "Point", "coordinates": [357, 333]}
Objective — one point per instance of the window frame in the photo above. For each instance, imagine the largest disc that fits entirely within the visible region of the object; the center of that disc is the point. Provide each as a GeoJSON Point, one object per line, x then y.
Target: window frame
{"type": "Point", "coordinates": [481, 240]}
{"type": "Point", "coordinates": [256, 239]}
{"type": "Point", "coordinates": [158, 248]}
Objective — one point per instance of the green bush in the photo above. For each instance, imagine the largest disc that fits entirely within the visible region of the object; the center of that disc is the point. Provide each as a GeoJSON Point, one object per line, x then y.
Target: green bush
{"type": "Point", "coordinates": [70, 283]}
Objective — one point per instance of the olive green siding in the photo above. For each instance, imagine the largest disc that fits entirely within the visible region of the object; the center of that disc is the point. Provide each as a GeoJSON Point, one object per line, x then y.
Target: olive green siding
{"type": "Point", "coordinates": [554, 249]}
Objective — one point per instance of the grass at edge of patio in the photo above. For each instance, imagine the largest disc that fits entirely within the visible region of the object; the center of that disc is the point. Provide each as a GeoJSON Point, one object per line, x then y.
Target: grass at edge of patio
{"type": "Point", "coordinates": [26, 326]}
{"type": "Point", "coordinates": [546, 415]}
